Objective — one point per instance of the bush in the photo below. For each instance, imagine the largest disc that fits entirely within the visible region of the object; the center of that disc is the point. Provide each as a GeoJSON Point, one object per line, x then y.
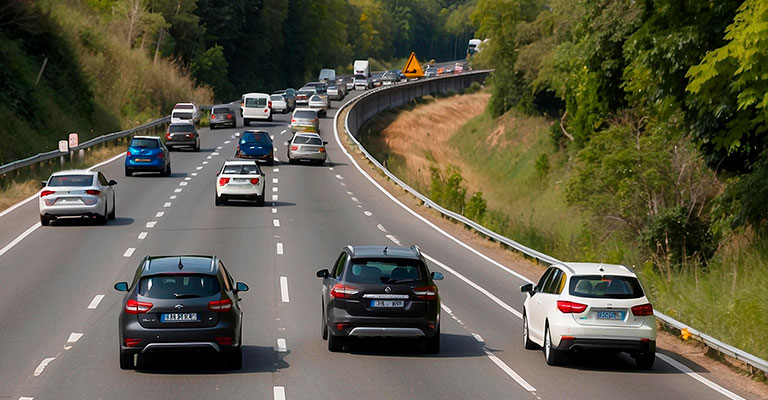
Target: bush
{"type": "Point", "coordinates": [542, 165]}
{"type": "Point", "coordinates": [676, 235]}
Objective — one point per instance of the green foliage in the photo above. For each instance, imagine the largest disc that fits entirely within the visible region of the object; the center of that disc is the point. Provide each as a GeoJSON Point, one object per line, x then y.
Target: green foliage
{"type": "Point", "coordinates": [744, 203]}
{"type": "Point", "coordinates": [207, 68]}
{"type": "Point", "coordinates": [476, 207]}
{"type": "Point", "coordinates": [676, 235]}
{"type": "Point", "coordinates": [542, 165]}
{"type": "Point", "coordinates": [448, 189]}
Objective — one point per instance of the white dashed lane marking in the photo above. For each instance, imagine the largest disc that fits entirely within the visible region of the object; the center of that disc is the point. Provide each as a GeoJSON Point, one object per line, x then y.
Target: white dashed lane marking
{"type": "Point", "coordinates": [209, 157]}
{"type": "Point", "coordinates": [283, 132]}
{"type": "Point", "coordinates": [129, 252]}
{"type": "Point", "coordinates": [381, 228]}
{"type": "Point", "coordinates": [279, 392]}
{"type": "Point", "coordinates": [367, 213]}
{"type": "Point", "coordinates": [276, 223]}
{"type": "Point", "coordinates": [183, 183]}
{"type": "Point", "coordinates": [393, 239]}
{"type": "Point", "coordinates": [167, 204]}
{"type": "Point", "coordinates": [284, 289]}
{"type": "Point", "coordinates": [173, 197]}
{"type": "Point", "coordinates": [95, 302]}
{"type": "Point", "coordinates": [355, 199]}
{"type": "Point", "coordinates": [215, 153]}
{"type": "Point", "coordinates": [26, 398]}
{"type": "Point", "coordinates": [178, 190]}
{"type": "Point", "coordinates": [73, 338]}
{"type": "Point", "coordinates": [274, 211]}
{"type": "Point", "coordinates": [226, 142]}
{"type": "Point", "coordinates": [187, 179]}
{"type": "Point", "coordinates": [279, 248]}
{"type": "Point", "coordinates": [274, 188]}
{"type": "Point", "coordinates": [194, 174]}
{"type": "Point", "coordinates": [281, 346]}
{"type": "Point", "coordinates": [151, 224]}
{"type": "Point", "coordinates": [205, 162]}
{"type": "Point", "coordinates": [199, 168]}
{"type": "Point", "coordinates": [219, 148]}
{"type": "Point", "coordinates": [159, 214]}
{"type": "Point", "coordinates": [40, 368]}
{"type": "Point", "coordinates": [275, 169]}
{"type": "Point", "coordinates": [142, 235]}
{"type": "Point", "coordinates": [274, 197]}
{"type": "Point", "coordinates": [478, 338]}
{"type": "Point", "coordinates": [339, 176]}
{"type": "Point", "coordinates": [274, 180]}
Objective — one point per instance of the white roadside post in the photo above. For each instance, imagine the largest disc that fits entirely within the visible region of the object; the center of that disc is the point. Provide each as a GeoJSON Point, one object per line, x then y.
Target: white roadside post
{"type": "Point", "coordinates": [73, 142]}
{"type": "Point", "coordinates": [63, 148]}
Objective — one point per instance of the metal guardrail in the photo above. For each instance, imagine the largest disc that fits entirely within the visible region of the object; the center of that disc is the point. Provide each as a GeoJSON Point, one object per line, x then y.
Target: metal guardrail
{"type": "Point", "coordinates": [370, 103]}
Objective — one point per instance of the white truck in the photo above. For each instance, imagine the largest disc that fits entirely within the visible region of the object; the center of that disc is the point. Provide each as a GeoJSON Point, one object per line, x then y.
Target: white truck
{"type": "Point", "coordinates": [362, 74]}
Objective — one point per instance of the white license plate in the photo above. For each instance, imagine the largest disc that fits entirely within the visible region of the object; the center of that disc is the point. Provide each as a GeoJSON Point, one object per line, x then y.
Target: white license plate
{"type": "Point", "coordinates": [387, 303]}
{"type": "Point", "coordinates": [179, 317]}
{"type": "Point", "coordinates": [612, 315]}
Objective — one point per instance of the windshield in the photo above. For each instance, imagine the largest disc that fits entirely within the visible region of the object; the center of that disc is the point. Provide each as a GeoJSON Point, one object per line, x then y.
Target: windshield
{"type": "Point", "coordinates": [255, 102]}
{"type": "Point", "coordinates": [305, 114]}
{"type": "Point", "coordinates": [145, 143]}
{"type": "Point", "coordinates": [606, 286]}
{"type": "Point", "coordinates": [178, 286]}
{"type": "Point", "coordinates": [241, 169]}
{"type": "Point", "coordinates": [255, 137]}
{"type": "Point", "coordinates": [71, 180]}
{"type": "Point", "coordinates": [384, 271]}
{"type": "Point", "coordinates": [221, 110]}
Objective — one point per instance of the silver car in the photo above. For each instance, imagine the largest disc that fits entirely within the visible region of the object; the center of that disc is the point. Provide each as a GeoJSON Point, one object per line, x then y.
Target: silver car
{"type": "Point", "coordinates": [77, 193]}
{"type": "Point", "coordinates": [317, 102]}
{"type": "Point", "coordinates": [279, 103]}
{"type": "Point", "coordinates": [305, 119]}
{"type": "Point", "coordinates": [307, 146]}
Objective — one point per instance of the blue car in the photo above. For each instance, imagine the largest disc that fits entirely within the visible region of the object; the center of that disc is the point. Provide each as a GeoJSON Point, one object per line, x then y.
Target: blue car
{"type": "Point", "coordinates": [147, 154]}
{"type": "Point", "coordinates": [256, 145]}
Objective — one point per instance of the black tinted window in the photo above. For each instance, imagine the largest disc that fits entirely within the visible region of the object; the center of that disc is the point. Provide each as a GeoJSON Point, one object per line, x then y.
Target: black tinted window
{"type": "Point", "coordinates": [256, 102]}
{"type": "Point", "coordinates": [71, 180]}
{"type": "Point", "coordinates": [241, 169]}
{"type": "Point", "coordinates": [305, 114]}
{"type": "Point", "coordinates": [555, 283]}
{"type": "Point", "coordinates": [182, 115]}
{"type": "Point", "coordinates": [174, 128]}
{"type": "Point", "coordinates": [145, 143]}
{"type": "Point", "coordinates": [221, 110]}
{"type": "Point", "coordinates": [307, 140]}
{"type": "Point", "coordinates": [178, 286]}
{"type": "Point", "coordinates": [607, 286]}
{"type": "Point", "coordinates": [384, 271]}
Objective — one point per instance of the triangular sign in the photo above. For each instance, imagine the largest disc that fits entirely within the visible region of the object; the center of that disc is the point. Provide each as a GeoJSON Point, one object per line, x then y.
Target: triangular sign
{"type": "Point", "coordinates": [412, 68]}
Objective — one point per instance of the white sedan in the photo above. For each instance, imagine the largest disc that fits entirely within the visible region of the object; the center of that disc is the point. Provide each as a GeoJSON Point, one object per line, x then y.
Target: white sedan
{"type": "Point", "coordinates": [240, 179]}
{"type": "Point", "coordinates": [588, 306]}
{"type": "Point", "coordinates": [77, 193]}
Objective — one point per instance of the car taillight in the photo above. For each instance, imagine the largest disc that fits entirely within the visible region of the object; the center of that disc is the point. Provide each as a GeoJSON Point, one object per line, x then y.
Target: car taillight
{"type": "Point", "coordinates": [190, 135]}
{"type": "Point", "coordinates": [425, 292]}
{"type": "Point", "coordinates": [137, 307]}
{"type": "Point", "coordinates": [46, 193]}
{"type": "Point", "coordinates": [342, 291]}
{"type": "Point", "coordinates": [131, 342]}
{"type": "Point", "coordinates": [322, 149]}
{"type": "Point", "coordinates": [223, 181]}
{"type": "Point", "coordinates": [315, 120]}
{"type": "Point", "coordinates": [167, 135]}
{"type": "Point", "coordinates": [225, 340]}
{"type": "Point", "coordinates": [568, 307]}
{"type": "Point", "coordinates": [220, 305]}
{"type": "Point", "coordinates": [229, 116]}
{"type": "Point", "coordinates": [269, 104]}
{"type": "Point", "coordinates": [93, 192]}
{"type": "Point", "coordinates": [294, 148]}
{"type": "Point", "coordinates": [160, 155]}
{"type": "Point", "coordinates": [254, 181]}
{"type": "Point", "coordinates": [213, 116]}
{"type": "Point", "coordinates": [127, 153]}
{"type": "Point", "coordinates": [293, 120]}
{"type": "Point", "coordinates": [642, 310]}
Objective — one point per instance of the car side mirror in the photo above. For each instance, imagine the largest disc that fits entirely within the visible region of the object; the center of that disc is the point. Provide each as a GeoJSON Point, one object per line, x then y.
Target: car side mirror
{"type": "Point", "coordinates": [237, 134]}
{"type": "Point", "coordinates": [325, 142]}
{"type": "Point", "coordinates": [241, 287]}
{"type": "Point", "coordinates": [323, 273]}
{"type": "Point", "coordinates": [45, 183]}
{"type": "Point", "coordinates": [438, 276]}
{"type": "Point", "coordinates": [112, 182]}
{"type": "Point", "coordinates": [121, 286]}
{"type": "Point", "coordinates": [527, 288]}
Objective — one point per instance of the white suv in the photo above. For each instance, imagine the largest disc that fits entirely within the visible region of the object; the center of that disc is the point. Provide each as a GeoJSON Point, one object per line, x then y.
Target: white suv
{"type": "Point", "coordinates": [240, 179]}
{"type": "Point", "coordinates": [255, 106]}
{"type": "Point", "coordinates": [585, 306]}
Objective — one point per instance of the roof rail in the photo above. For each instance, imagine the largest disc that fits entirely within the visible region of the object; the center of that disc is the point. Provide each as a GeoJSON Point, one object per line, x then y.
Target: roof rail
{"type": "Point", "coordinates": [416, 249]}
{"type": "Point", "coordinates": [351, 249]}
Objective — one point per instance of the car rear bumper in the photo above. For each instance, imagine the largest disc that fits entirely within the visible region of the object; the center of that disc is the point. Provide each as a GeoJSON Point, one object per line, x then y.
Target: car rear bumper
{"type": "Point", "coordinates": [244, 192]}
{"type": "Point", "coordinates": [179, 339]}
{"type": "Point", "coordinates": [73, 210]}
{"type": "Point", "coordinates": [386, 326]}
{"type": "Point", "coordinates": [571, 334]}
{"type": "Point", "coordinates": [314, 156]}
{"type": "Point", "coordinates": [262, 157]}
{"type": "Point", "coordinates": [607, 344]}
{"type": "Point", "coordinates": [180, 143]}
{"type": "Point", "coordinates": [154, 165]}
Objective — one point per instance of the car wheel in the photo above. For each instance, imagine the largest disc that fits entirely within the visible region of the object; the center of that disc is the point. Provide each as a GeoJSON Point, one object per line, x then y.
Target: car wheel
{"type": "Point", "coordinates": [217, 200]}
{"type": "Point", "coordinates": [126, 360]}
{"type": "Point", "coordinates": [167, 171]}
{"type": "Point", "coordinates": [102, 219]}
{"type": "Point", "coordinates": [269, 119]}
{"type": "Point", "coordinates": [271, 162]}
{"type": "Point", "coordinates": [527, 342]}
{"type": "Point", "coordinates": [260, 201]}
{"type": "Point", "coordinates": [291, 161]}
{"type": "Point", "coordinates": [235, 359]}
{"type": "Point", "coordinates": [551, 355]}
{"type": "Point", "coordinates": [128, 172]}
{"type": "Point", "coordinates": [335, 343]}
{"type": "Point", "coordinates": [44, 221]}
{"type": "Point", "coordinates": [197, 145]}
{"type": "Point", "coordinates": [324, 326]}
{"type": "Point", "coordinates": [246, 122]}
{"type": "Point", "coordinates": [112, 213]}
{"type": "Point", "coordinates": [644, 361]}
{"type": "Point", "coordinates": [432, 344]}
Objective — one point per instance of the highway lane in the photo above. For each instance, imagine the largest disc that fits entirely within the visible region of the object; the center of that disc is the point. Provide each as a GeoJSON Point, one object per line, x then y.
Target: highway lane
{"type": "Point", "coordinates": [317, 213]}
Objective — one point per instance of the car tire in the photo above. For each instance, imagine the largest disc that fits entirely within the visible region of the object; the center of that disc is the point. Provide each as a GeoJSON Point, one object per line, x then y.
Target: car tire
{"type": "Point", "coordinates": [644, 361]}
{"type": "Point", "coordinates": [246, 122]}
{"type": "Point", "coordinates": [271, 162]}
{"type": "Point", "coordinates": [323, 325]}
{"type": "Point", "coordinates": [527, 342]}
{"type": "Point", "coordinates": [167, 171]}
{"type": "Point", "coordinates": [235, 359]}
{"type": "Point", "coordinates": [217, 199]}
{"type": "Point", "coordinates": [197, 145]}
{"type": "Point", "coordinates": [260, 200]}
{"type": "Point", "coordinates": [127, 360]}
{"type": "Point", "coordinates": [551, 355]}
{"type": "Point", "coordinates": [335, 343]}
{"type": "Point", "coordinates": [291, 161]}
{"type": "Point", "coordinates": [128, 172]}
{"type": "Point", "coordinates": [102, 219]}
{"type": "Point", "coordinates": [44, 221]}
{"type": "Point", "coordinates": [269, 119]}
{"type": "Point", "coordinates": [432, 344]}
{"type": "Point", "coordinates": [112, 214]}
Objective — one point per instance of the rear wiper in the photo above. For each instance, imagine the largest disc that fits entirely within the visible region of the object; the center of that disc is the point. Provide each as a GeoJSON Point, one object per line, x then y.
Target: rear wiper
{"type": "Point", "coordinates": [390, 280]}
{"type": "Point", "coordinates": [186, 296]}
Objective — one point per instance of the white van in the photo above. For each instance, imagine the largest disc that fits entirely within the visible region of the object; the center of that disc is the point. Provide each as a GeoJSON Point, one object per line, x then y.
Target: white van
{"type": "Point", "coordinates": [255, 106]}
{"type": "Point", "coordinates": [185, 112]}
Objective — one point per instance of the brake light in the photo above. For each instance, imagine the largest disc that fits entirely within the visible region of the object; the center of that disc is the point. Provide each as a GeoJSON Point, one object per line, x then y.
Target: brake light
{"type": "Point", "coordinates": [131, 342]}
{"type": "Point", "coordinates": [294, 148]}
{"type": "Point", "coordinates": [160, 155]}
{"type": "Point", "coordinates": [46, 193]}
{"type": "Point", "coordinates": [167, 135]}
{"type": "Point", "coordinates": [269, 104]}
{"type": "Point", "coordinates": [568, 307]}
{"type": "Point", "coordinates": [190, 135]}
{"type": "Point", "coordinates": [137, 307]}
{"type": "Point", "coordinates": [342, 291]}
{"type": "Point", "coordinates": [254, 181]}
{"type": "Point", "coordinates": [293, 120]}
{"type": "Point", "coordinates": [322, 149]}
{"type": "Point", "coordinates": [127, 153]}
{"type": "Point", "coordinates": [426, 292]}
{"type": "Point", "coordinates": [223, 181]}
{"type": "Point", "coordinates": [213, 116]}
{"type": "Point", "coordinates": [642, 310]}
{"type": "Point", "coordinates": [220, 305]}
{"type": "Point", "coordinates": [93, 192]}
{"type": "Point", "coordinates": [229, 116]}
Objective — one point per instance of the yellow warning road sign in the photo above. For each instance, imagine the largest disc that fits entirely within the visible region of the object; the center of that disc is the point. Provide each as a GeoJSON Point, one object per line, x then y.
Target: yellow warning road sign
{"type": "Point", "coordinates": [412, 68]}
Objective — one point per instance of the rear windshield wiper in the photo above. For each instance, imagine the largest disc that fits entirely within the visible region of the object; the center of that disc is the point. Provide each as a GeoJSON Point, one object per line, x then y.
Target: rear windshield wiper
{"type": "Point", "coordinates": [390, 280]}
{"type": "Point", "coordinates": [186, 296]}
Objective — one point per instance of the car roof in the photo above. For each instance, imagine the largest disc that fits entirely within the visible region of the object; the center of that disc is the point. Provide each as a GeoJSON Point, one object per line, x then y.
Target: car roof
{"type": "Point", "coordinates": [255, 94]}
{"type": "Point", "coordinates": [74, 172]}
{"type": "Point", "coordinates": [255, 131]}
{"type": "Point", "coordinates": [240, 162]}
{"type": "Point", "coordinates": [185, 104]}
{"type": "Point", "coordinates": [588, 268]}
{"type": "Point", "coordinates": [188, 264]}
{"type": "Point", "coordinates": [304, 109]}
{"type": "Point", "coordinates": [146, 137]}
{"type": "Point", "coordinates": [182, 123]}
{"type": "Point", "coordinates": [385, 252]}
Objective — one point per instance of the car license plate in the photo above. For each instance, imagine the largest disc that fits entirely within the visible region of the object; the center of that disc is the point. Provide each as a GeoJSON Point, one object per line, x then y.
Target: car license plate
{"type": "Point", "coordinates": [613, 315]}
{"type": "Point", "coordinates": [387, 303]}
{"type": "Point", "coordinates": [179, 317]}
{"type": "Point", "coordinates": [142, 160]}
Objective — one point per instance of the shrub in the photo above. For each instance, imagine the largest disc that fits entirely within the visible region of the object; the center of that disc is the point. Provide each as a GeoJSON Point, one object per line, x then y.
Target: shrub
{"type": "Point", "coordinates": [676, 235]}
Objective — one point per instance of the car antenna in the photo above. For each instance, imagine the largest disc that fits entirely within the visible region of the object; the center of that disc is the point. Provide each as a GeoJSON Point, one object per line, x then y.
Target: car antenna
{"type": "Point", "coordinates": [180, 264]}
{"type": "Point", "coordinates": [385, 249]}
{"type": "Point", "coordinates": [601, 267]}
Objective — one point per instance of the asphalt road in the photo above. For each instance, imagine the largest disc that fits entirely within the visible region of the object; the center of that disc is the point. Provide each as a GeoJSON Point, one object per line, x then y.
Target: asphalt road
{"type": "Point", "coordinates": [59, 312]}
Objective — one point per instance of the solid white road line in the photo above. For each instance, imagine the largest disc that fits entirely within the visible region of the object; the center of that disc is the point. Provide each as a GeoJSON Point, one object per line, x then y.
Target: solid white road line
{"type": "Point", "coordinates": [394, 239]}
{"type": "Point", "coordinates": [95, 302]}
{"type": "Point", "coordinates": [73, 338]}
{"type": "Point", "coordinates": [279, 248]}
{"type": "Point", "coordinates": [279, 392]}
{"type": "Point", "coordinates": [284, 289]}
{"type": "Point", "coordinates": [281, 347]}
{"type": "Point", "coordinates": [512, 374]}
{"type": "Point", "coordinates": [151, 224]}
{"type": "Point", "coordinates": [19, 238]}
{"type": "Point", "coordinates": [40, 368]}
{"type": "Point", "coordinates": [684, 369]}
{"type": "Point", "coordinates": [19, 204]}
{"type": "Point", "coordinates": [159, 214]}
{"type": "Point", "coordinates": [367, 213]}
{"type": "Point", "coordinates": [129, 252]}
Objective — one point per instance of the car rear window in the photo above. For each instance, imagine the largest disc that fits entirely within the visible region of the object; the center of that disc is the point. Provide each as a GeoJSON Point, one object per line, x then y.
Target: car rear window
{"type": "Point", "coordinates": [221, 110]}
{"type": "Point", "coordinates": [182, 115]}
{"type": "Point", "coordinates": [145, 143]}
{"type": "Point", "coordinates": [184, 106]}
{"type": "Point", "coordinates": [277, 97]}
{"type": "Point", "coordinates": [178, 286]}
{"type": "Point", "coordinates": [255, 102]}
{"type": "Point", "coordinates": [315, 98]}
{"type": "Point", "coordinates": [71, 180]}
{"type": "Point", "coordinates": [606, 286]}
{"type": "Point", "coordinates": [255, 137]}
{"type": "Point", "coordinates": [305, 114]}
{"type": "Point", "coordinates": [309, 92]}
{"type": "Point", "coordinates": [386, 270]}
{"type": "Point", "coordinates": [307, 140]}
{"type": "Point", "coordinates": [173, 128]}
{"type": "Point", "coordinates": [241, 169]}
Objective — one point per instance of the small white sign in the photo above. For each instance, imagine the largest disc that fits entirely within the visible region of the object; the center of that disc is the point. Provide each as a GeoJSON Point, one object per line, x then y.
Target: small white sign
{"type": "Point", "coordinates": [73, 140]}
{"type": "Point", "coordinates": [63, 146]}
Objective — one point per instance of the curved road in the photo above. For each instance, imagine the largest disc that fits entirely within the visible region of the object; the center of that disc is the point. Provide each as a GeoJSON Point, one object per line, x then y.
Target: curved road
{"type": "Point", "coordinates": [59, 311]}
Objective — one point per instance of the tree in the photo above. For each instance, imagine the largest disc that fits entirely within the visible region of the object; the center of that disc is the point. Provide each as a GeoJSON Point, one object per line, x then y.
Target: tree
{"type": "Point", "coordinates": [208, 67]}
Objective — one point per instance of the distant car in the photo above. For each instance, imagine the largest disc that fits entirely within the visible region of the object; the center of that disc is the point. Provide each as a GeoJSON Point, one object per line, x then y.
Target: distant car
{"type": "Point", "coordinates": [222, 115]}
{"type": "Point", "coordinates": [342, 85]}
{"type": "Point", "coordinates": [182, 135]}
{"type": "Point", "coordinates": [290, 97]}
{"type": "Point", "coordinates": [362, 82]}
{"type": "Point", "coordinates": [185, 112]}
{"type": "Point", "coordinates": [303, 95]}
{"type": "Point", "coordinates": [240, 179]}
{"type": "Point", "coordinates": [257, 145]}
{"type": "Point", "coordinates": [349, 82]}
{"type": "Point", "coordinates": [458, 68]}
{"type": "Point", "coordinates": [147, 154]}
{"type": "Point", "coordinates": [374, 291]}
{"type": "Point", "coordinates": [279, 104]}
{"type": "Point", "coordinates": [256, 106]}
{"type": "Point", "coordinates": [316, 85]}
{"type": "Point", "coordinates": [316, 102]}
{"type": "Point", "coordinates": [335, 92]}
{"type": "Point", "coordinates": [77, 193]}
{"type": "Point", "coordinates": [376, 81]}
{"type": "Point", "coordinates": [181, 302]}
{"type": "Point", "coordinates": [390, 77]}
{"type": "Point", "coordinates": [586, 306]}
{"type": "Point", "coordinates": [431, 72]}
{"type": "Point", "coordinates": [307, 146]}
{"type": "Point", "coordinates": [305, 119]}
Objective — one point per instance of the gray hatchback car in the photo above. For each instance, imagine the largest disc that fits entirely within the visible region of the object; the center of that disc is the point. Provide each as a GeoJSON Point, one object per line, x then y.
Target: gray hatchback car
{"type": "Point", "coordinates": [181, 303]}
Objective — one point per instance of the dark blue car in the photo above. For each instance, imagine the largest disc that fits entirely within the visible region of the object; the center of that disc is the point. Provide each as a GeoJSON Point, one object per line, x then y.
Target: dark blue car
{"type": "Point", "coordinates": [257, 145]}
{"type": "Point", "coordinates": [147, 154]}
